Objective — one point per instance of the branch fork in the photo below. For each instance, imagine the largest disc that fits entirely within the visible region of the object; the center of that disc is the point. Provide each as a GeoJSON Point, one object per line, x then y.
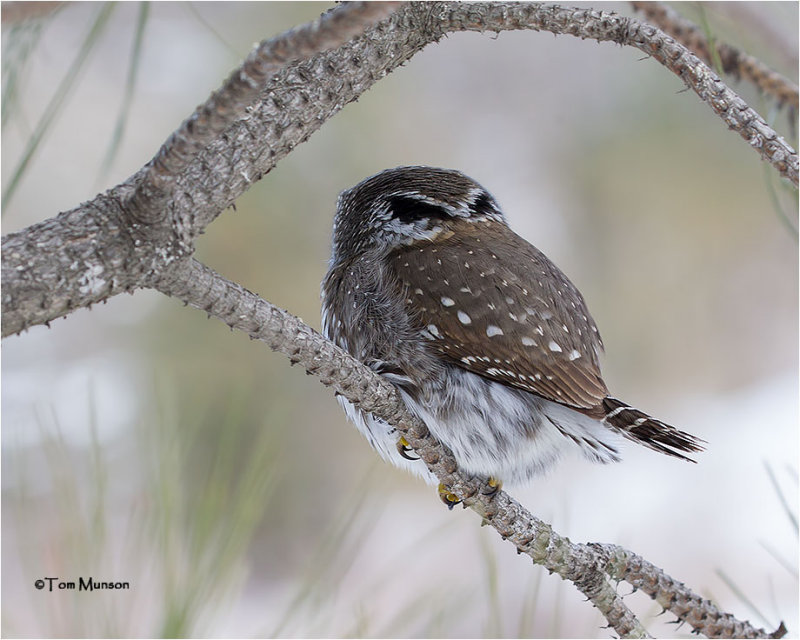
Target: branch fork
{"type": "Point", "coordinates": [141, 235]}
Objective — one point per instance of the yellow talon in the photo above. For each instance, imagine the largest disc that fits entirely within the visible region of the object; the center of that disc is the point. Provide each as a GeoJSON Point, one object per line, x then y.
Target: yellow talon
{"type": "Point", "coordinates": [403, 448]}
{"type": "Point", "coordinates": [450, 499]}
{"type": "Point", "coordinates": [494, 485]}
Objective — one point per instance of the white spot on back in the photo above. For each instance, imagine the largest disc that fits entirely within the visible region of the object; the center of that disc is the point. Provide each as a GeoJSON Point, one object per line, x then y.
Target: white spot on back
{"type": "Point", "coordinates": [493, 330]}
{"type": "Point", "coordinates": [553, 346]}
{"type": "Point", "coordinates": [574, 354]}
{"type": "Point", "coordinates": [447, 302]}
{"type": "Point", "coordinates": [434, 331]}
{"type": "Point", "coordinates": [528, 342]}
{"type": "Point", "coordinates": [463, 318]}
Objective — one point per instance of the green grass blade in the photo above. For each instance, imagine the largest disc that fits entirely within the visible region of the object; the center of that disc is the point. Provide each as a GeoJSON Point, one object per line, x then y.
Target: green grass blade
{"type": "Point", "coordinates": [57, 101]}
{"type": "Point", "coordinates": [235, 55]}
{"type": "Point", "coordinates": [739, 593]}
{"type": "Point", "coordinates": [127, 98]}
{"type": "Point", "coordinates": [790, 513]}
{"type": "Point", "coordinates": [18, 44]}
{"type": "Point", "coordinates": [712, 42]}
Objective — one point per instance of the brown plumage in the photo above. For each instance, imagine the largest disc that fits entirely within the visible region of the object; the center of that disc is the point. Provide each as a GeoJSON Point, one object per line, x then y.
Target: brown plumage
{"type": "Point", "coordinates": [487, 340]}
{"type": "Point", "coordinates": [495, 305]}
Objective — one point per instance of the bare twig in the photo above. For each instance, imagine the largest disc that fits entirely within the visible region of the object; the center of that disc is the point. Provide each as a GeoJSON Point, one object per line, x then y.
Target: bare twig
{"type": "Point", "coordinates": [229, 103]}
{"type": "Point", "coordinates": [589, 567]}
{"type": "Point", "coordinates": [783, 44]}
{"type": "Point", "coordinates": [701, 614]}
{"type": "Point", "coordinates": [734, 62]}
{"type": "Point", "coordinates": [601, 26]}
{"type": "Point", "coordinates": [201, 287]}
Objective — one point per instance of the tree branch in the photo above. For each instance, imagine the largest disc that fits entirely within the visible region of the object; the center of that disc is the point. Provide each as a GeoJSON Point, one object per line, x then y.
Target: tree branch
{"type": "Point", "coordinates": [701, 614]}
{"type": "Point", "coordinates": [199, 286]}
{"type": "Point", "coordinates": [589, 567]}
{"type": "Point", "coordinates": [141, 234]}
{"type": "Point", "coordinates": [44, 278]}
{"type": "Point", "coordinates": [601, 26]}
{"type": "Point", "coordinates": [734, 62]}
{"type": "Point", "coordinates": [229, 103]}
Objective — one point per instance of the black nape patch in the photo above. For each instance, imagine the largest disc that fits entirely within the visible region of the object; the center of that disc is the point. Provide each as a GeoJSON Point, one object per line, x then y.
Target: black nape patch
{"type": "Point", "coordinates": [408, 209]}
{"type": "Point", "coordinates": [482, 205]}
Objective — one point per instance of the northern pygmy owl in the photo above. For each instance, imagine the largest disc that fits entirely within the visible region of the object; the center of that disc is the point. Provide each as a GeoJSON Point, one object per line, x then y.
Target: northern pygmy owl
{"type": "Point", "coordinates": [486, 340]}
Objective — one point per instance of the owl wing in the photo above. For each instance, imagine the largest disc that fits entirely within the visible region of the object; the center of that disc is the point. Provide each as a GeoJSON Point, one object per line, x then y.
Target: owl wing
{"type": "Point", "coordinates": [493, 304]}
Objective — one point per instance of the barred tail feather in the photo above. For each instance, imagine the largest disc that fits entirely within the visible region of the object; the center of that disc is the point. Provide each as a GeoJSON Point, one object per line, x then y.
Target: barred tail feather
{"type": "Point", "coordinates": [639, 427]}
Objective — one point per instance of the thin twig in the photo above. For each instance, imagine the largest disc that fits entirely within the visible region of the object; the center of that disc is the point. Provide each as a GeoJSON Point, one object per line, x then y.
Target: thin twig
{"type": "Point", "coordinates": [700, 613]}
{"type": "Point", "coordinates": [733, 61]}
{"type": "Point", "coordinates": [602, 26]}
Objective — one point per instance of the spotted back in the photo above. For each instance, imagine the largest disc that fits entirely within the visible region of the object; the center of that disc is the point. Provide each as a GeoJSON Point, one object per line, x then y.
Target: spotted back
{"type": "Point", "coordinates": [491, 303]}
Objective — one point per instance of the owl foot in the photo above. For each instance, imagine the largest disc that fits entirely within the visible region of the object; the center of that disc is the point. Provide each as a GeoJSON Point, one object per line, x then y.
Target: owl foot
{"type": "Point", "coordinates": [494, 486]}
{"type": "Point", "coordinates": [450, 499]}
{"type": "Point", "coordinates": [403, 448]}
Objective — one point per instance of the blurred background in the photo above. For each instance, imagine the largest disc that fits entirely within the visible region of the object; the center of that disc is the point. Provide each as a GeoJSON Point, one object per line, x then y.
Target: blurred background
{"type": "Point", "coordinates": [142, 442]}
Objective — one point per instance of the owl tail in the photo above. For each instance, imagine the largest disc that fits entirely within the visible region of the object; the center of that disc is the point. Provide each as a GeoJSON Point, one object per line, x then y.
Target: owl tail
{"type": "Point", "coordinates": [639, 427]}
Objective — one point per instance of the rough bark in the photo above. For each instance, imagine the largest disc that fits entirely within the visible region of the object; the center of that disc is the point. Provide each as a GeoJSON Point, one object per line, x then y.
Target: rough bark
{"type": "Point", "coordinates": [590, 567]}
{"type": "Point", "coordinates": [142, 233]}
{"type": "Point", "coordinates": [733, 61]}
{"type": "Point", "coordinates": [169, 202]}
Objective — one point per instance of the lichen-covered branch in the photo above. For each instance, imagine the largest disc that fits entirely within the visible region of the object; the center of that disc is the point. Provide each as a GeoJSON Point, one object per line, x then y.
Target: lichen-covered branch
{"type": "Point", "coordinates": [589, 567]}
{"type": "Point", "coordinates": [733, 61]}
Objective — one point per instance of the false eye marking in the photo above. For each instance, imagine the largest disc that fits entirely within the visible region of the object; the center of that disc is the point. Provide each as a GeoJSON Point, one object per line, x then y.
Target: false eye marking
{"type": "Point", "coordinates": [409, 209]}
{"type": "Point", "coordinates": [482, 204]}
